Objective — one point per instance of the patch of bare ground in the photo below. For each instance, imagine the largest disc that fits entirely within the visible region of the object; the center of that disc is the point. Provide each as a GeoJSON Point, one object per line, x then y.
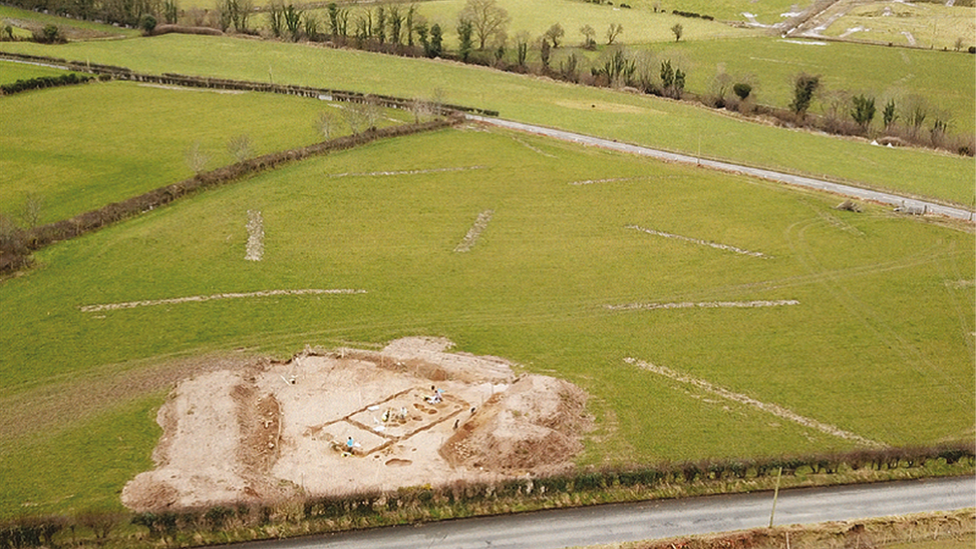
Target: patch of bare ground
{"type": "Point", "coordinates": [351, 421]}
{"type": "Point", "coordinates": [516, 431]}
{"type": "Point", "coordinates": [49, 407]}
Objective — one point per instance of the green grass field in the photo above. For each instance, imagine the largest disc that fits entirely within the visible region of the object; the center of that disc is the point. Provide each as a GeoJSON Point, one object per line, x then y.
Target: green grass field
{"type": "Point", "coordinates": [11, 72]}
{"type": "Point", "coordinates": [606, 113]}
{"type": "Point", "coordinates": [880, 343]}
{"type": "Point", "coordinates": [79, 148]}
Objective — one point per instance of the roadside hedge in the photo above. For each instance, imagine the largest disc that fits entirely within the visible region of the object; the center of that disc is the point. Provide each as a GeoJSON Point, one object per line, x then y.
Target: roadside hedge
{"type": "Point", "coordinates": [240, 521]}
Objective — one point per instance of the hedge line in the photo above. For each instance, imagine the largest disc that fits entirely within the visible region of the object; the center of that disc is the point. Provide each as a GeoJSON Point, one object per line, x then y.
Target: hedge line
{"type": "Point", "coordinates": [460, 498]}
{"type": "Point", "coordinates": [42, 82]}
{"type": "Point", "coordinates": [693, 15]}
{"type": "Point", "coordinates": [16, 245]}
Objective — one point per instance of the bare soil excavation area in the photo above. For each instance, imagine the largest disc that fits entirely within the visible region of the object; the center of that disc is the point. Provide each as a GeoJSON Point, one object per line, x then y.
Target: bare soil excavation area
{"type": "Point", "coordinates": [415, 414]}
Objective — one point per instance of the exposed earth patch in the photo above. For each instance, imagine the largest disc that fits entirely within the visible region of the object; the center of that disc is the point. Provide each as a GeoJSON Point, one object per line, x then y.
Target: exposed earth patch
{"type": "Point", "coordinates": [349, 421]}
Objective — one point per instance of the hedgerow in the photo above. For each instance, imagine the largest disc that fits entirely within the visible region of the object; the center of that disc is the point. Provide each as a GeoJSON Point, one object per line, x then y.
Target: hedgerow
{"type": "Point", "coordinates": [244, 521]}
{"type": "Point", "coordinates": [41, 82]}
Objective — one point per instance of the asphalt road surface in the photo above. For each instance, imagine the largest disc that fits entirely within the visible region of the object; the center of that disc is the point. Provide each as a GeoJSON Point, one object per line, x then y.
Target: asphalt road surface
{"type": "Point", "coordinates": [657, 519]}
{"type": "Point", "coordinates": [910, 204]}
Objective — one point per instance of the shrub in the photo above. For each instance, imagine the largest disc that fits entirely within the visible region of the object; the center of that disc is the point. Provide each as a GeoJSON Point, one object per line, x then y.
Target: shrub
{"type": "Point", "coordinates": [148, 24]}
{"type": "Point", "coordinates": [742, 90]}
{"type": "Point", "coordinates": [804, 87]}
{"type": "Point", "coordinates": [216, 517]}
{"type": "Point", "coordinates": [101, 522]}
{"type": "Point", "coordinates": [50, 34]}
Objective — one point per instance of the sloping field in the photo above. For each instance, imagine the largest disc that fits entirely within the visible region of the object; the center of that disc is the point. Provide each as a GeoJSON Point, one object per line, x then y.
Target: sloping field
{"type": "Point", "coordinates": [869, 327]}
{"type": "Point", "coordinates": [935, 25]}
{"type": "Point", "coordinates": [627, 117]}
{"type": "Point", "coordinates": [945, 81]}
{"type": "Point", "coordinates": [11, 72]}
{"type": "Point", "coordinates": [641, 25]}
{"type": "Point", "coordinates": [86, 146]}
{"type": "Point", "coordinates": [24, 22]}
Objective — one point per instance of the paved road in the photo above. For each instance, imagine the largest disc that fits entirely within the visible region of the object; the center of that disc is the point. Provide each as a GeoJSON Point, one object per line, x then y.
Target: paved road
{"type": "Point", "coordinates": [657, 519]}
{"type": "Point", "coordinates": [911, 204]}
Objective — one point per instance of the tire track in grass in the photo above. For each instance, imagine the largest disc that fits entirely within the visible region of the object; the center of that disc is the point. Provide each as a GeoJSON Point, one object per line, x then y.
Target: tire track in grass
{"type": "Point", "coordinates": [873, 322]}
{"type": "Point", "coordinates": [214, 297]}
{"type": "Point", "coordinates": [952, 281]}
{"type": "Point", "coordinates": [767, 407]}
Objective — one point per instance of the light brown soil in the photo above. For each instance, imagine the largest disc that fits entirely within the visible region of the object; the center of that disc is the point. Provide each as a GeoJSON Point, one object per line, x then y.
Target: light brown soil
{"type": "Point", "coordinates": [271, 431]}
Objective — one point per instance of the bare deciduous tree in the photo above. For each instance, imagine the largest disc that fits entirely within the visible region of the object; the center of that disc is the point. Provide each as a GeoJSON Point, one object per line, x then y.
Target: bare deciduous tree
{"type": "Point", "coordinates": [240, 147]}
{"type": "Point", "coordinates": [554, 34]}
{"type": "Point", "coordinates": [326, 124]}
{"type": "Point", "coordinates": [588, 34]}
{"type": "Point", "coordinates": [30, 213]}
{"type": "Point", "coordinates": [362, 115]}
{"type": "Point", "coordinates": [613, 31]}
{"type": "Point", "coordinates": [196, 158]}
{"type": "Point", "coordinates": [678, 31]}
{"type": "Point", "coordinates": [421, 109]}
{"type": "Point", "coordinates": [487, 18]}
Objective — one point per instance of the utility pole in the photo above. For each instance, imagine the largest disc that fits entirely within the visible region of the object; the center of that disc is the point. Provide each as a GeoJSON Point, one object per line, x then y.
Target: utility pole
{"type": "Point", "coordinates": [775, 496]}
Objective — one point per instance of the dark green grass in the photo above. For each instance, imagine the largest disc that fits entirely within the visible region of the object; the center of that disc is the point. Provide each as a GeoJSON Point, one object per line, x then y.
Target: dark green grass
{"type": "Point", "coordinates": [617, 115]}
{"type": "Point", "coordinates": [881, 344]}
{"type": "Point", "coordinates": [80, 148]}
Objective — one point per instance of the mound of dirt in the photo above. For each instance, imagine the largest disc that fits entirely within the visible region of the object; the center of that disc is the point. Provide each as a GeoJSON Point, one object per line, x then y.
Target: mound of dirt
{"type": "Point", "coordinates": [536, 424]}
{"type": "Point", "coordinates": [413, 413]}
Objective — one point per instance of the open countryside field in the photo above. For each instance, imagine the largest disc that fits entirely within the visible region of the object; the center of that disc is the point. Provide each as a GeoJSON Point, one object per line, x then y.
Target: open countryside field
{"type": "Point", "coordinates": [878, 343]}
{"type": "Point", "coordinates": [627, 117]}
{"type": "Point", "coordinates": [141, 140]}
